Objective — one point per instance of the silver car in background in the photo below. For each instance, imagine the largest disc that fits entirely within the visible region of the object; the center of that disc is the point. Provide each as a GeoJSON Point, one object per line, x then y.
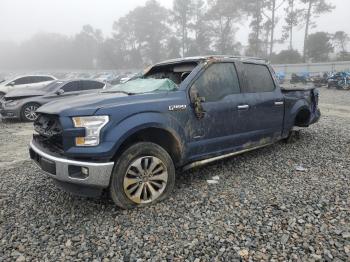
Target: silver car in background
{"type": "Point", "coordinates": [23, 82]}
{"type": "Point", "coordinates": [22, 104]}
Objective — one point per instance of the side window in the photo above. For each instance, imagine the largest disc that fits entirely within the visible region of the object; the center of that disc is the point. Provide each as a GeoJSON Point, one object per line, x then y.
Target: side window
{"type": "Point", "coordinates": [218, 81]}
{"type": "Point", "coordinates": [36, 79]}
{"type": "Point", "coordinates": [40, 79]}
{"type": "Point", "coordinates": [71, 87]}
{"type": "Point", "coordinates": [259, 79]}
{"type": "Point", "coordinates": [23, 80]}
{"type": "Point", "coordinates": [90, 85]}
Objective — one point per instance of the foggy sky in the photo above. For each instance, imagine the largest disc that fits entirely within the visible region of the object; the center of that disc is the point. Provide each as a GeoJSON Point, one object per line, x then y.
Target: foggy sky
{"type": "Point", "coordinates": [20, 19]}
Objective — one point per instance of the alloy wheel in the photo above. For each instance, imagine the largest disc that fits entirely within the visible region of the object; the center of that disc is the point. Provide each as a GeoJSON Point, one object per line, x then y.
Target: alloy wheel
{"type": "Point", "coordinates": [30, 112]}
{"type": "Point", "coordinates": [145, 180]}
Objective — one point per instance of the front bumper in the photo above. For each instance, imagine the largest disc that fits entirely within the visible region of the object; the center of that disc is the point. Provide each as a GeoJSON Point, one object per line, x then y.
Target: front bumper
{"type": "Point", "coordinates": [71, 171]}
{"type": "Point", "coordinates": [9, 113]}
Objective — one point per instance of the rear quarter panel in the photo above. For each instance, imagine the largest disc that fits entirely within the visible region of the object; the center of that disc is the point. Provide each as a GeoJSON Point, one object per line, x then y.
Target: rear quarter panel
{"type": "Point", "coordinates": [295, 101]}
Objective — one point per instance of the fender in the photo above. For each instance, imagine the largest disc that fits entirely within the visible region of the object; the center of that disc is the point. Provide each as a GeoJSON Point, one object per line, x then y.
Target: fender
{"type": "Point", "coordinates": [138, 122]}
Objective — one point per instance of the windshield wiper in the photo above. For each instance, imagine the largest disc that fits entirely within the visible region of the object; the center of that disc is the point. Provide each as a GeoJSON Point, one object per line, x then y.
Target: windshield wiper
{"type": "Point", "coordinates": [118, 92]}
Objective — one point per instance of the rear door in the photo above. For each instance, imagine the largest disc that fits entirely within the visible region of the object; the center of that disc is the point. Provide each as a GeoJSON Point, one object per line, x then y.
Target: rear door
{"type": "Point", "coordinates": [262, 104]}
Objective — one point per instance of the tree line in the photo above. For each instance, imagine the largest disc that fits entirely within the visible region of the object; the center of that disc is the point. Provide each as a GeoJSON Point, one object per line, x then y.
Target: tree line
{"type": "Point", "coordinates": [151, 33]}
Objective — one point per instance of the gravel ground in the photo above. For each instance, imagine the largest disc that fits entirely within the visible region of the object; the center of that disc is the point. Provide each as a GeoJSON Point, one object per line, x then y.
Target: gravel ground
{"type": "Point", "coordinates": [283, 202]}
{"type": "Point", "coordinates": [15, 152]}
{"type": "Point", "coordinates": [335, 97]}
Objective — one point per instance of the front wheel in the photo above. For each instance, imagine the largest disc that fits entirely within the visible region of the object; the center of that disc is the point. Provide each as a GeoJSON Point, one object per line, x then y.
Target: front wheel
{"type": "Point", "coordinates": [28, 112]}
{"type": "Point", "coordinates": [143, 175]}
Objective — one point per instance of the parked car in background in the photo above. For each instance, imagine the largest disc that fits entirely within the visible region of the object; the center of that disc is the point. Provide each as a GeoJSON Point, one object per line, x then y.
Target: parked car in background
{"type": "Point", "coordinates": [320, 79]}
{"type": "Point", "coordinates": [22, 104]}
{"type": "Point", "coordinates": [340, 80]}
{"type": "Point", "coordinates": [28, 81]}
{"type": "Point", "coordinates": [281, 77]}
{"type": "Point", "coordinates": [299, 78]}
{"type": "Point", "coordinates": [115, 81]}
{"type": "Point", "coordinates": [130, 138]}
{"type": "Point", "coordinates": [104, 77]}
{"type": "Point", "coordinates": [123, 78]}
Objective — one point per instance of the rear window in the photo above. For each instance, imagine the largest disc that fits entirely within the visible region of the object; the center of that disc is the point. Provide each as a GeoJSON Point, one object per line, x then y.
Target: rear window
{"type": "Point", "coordinates": [91, 85]}
{"type": "Point", "coordinates": [53, 86]}
{"type": "Point", "coordinates": [259, 79]}
{"type": "Point", "coordinates": [43, 79]}
{"type": "Point", "coordinates": [73, 86]}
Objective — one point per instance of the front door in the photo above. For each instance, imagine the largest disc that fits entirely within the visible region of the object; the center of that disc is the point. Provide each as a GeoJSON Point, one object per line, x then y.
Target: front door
{"type": "Point", "coordinates": [214, 132]}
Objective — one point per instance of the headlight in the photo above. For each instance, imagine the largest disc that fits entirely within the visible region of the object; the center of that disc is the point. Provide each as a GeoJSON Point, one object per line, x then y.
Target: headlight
{"type": "Point", "coordinates": [12, 103]}
{"type": "Point", "coordinates": [93, 126]}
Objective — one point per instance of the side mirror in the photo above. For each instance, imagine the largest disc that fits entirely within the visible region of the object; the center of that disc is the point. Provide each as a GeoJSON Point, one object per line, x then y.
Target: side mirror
{"type": "Point", "coordinates": [11, 84]}
{"type": "Point", "coordinates": [197, 101]}
{"type": "Point", "coordinates": [60, 92]}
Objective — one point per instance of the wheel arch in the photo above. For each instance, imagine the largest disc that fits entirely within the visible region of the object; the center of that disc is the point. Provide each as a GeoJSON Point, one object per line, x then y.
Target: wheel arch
{"type": "Point", "coordinates": [160, 135]}
{"type": "Point", "coordinates": [298, 108]}
{"type": "Point", "coordinates": [302, 117]}
{"type": "Point", "coordinates": [31, 102]}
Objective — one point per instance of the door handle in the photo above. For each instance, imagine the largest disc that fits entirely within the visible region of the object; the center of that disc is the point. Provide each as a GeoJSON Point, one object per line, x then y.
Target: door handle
{"type": "Point", "coordinates": [279, 103]}
{"type": "Point", "coordinates": [242, 107]}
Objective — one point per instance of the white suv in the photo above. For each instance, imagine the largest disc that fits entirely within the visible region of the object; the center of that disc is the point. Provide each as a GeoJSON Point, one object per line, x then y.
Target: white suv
{"type": "Point", "coordinates": [27, 81]}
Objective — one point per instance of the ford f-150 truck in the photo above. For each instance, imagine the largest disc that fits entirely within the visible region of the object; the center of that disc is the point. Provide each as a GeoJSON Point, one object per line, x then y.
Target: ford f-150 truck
{"type": "Point", "coordinates": [132, 138]}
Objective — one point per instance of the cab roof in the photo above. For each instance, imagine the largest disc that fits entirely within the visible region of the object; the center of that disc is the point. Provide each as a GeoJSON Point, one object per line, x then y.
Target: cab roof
{"type": "Point", "coordinates": [198, 59]}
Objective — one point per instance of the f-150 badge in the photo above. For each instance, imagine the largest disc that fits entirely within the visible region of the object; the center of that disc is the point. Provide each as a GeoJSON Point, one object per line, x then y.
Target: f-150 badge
{"type": "Point", "coordinates": [177, 108]}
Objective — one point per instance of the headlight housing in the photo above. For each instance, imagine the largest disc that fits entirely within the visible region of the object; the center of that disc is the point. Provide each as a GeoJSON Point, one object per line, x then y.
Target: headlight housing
{"type": "Point", "coordinates": [93, 126]}
{"type": "Point", "coordinates": [12, 103]}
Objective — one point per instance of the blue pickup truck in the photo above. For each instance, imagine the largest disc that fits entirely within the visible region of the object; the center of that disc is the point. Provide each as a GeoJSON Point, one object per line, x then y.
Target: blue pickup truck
{"type": "Point", "coordinates": [131, 139]}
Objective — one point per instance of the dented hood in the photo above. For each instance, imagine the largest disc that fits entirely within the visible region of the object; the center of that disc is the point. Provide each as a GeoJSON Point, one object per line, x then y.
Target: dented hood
{"type": "Point", "coordinates": [82, 104]}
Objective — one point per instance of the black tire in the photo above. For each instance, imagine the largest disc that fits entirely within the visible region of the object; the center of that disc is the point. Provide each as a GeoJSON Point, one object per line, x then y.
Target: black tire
{"type": "Point", "coordinates": [24, 116]}
{"type": "Point", "coordinates": [124, 165]}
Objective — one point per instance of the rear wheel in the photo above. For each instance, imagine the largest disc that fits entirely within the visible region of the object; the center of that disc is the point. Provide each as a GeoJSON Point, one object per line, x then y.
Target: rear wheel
{"type": "Point", "coordinates": [143, 175]}
{"type": "Point", "coordinates": [28, 112]}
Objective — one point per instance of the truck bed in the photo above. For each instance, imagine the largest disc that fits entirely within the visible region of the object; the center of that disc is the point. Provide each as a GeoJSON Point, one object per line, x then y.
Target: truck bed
{"type": "Point", "coordinates": [296, 87]}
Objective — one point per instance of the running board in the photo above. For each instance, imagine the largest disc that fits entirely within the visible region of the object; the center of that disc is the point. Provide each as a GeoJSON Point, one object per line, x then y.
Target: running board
{"type": "Point", "coordinates": [210, 160]}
